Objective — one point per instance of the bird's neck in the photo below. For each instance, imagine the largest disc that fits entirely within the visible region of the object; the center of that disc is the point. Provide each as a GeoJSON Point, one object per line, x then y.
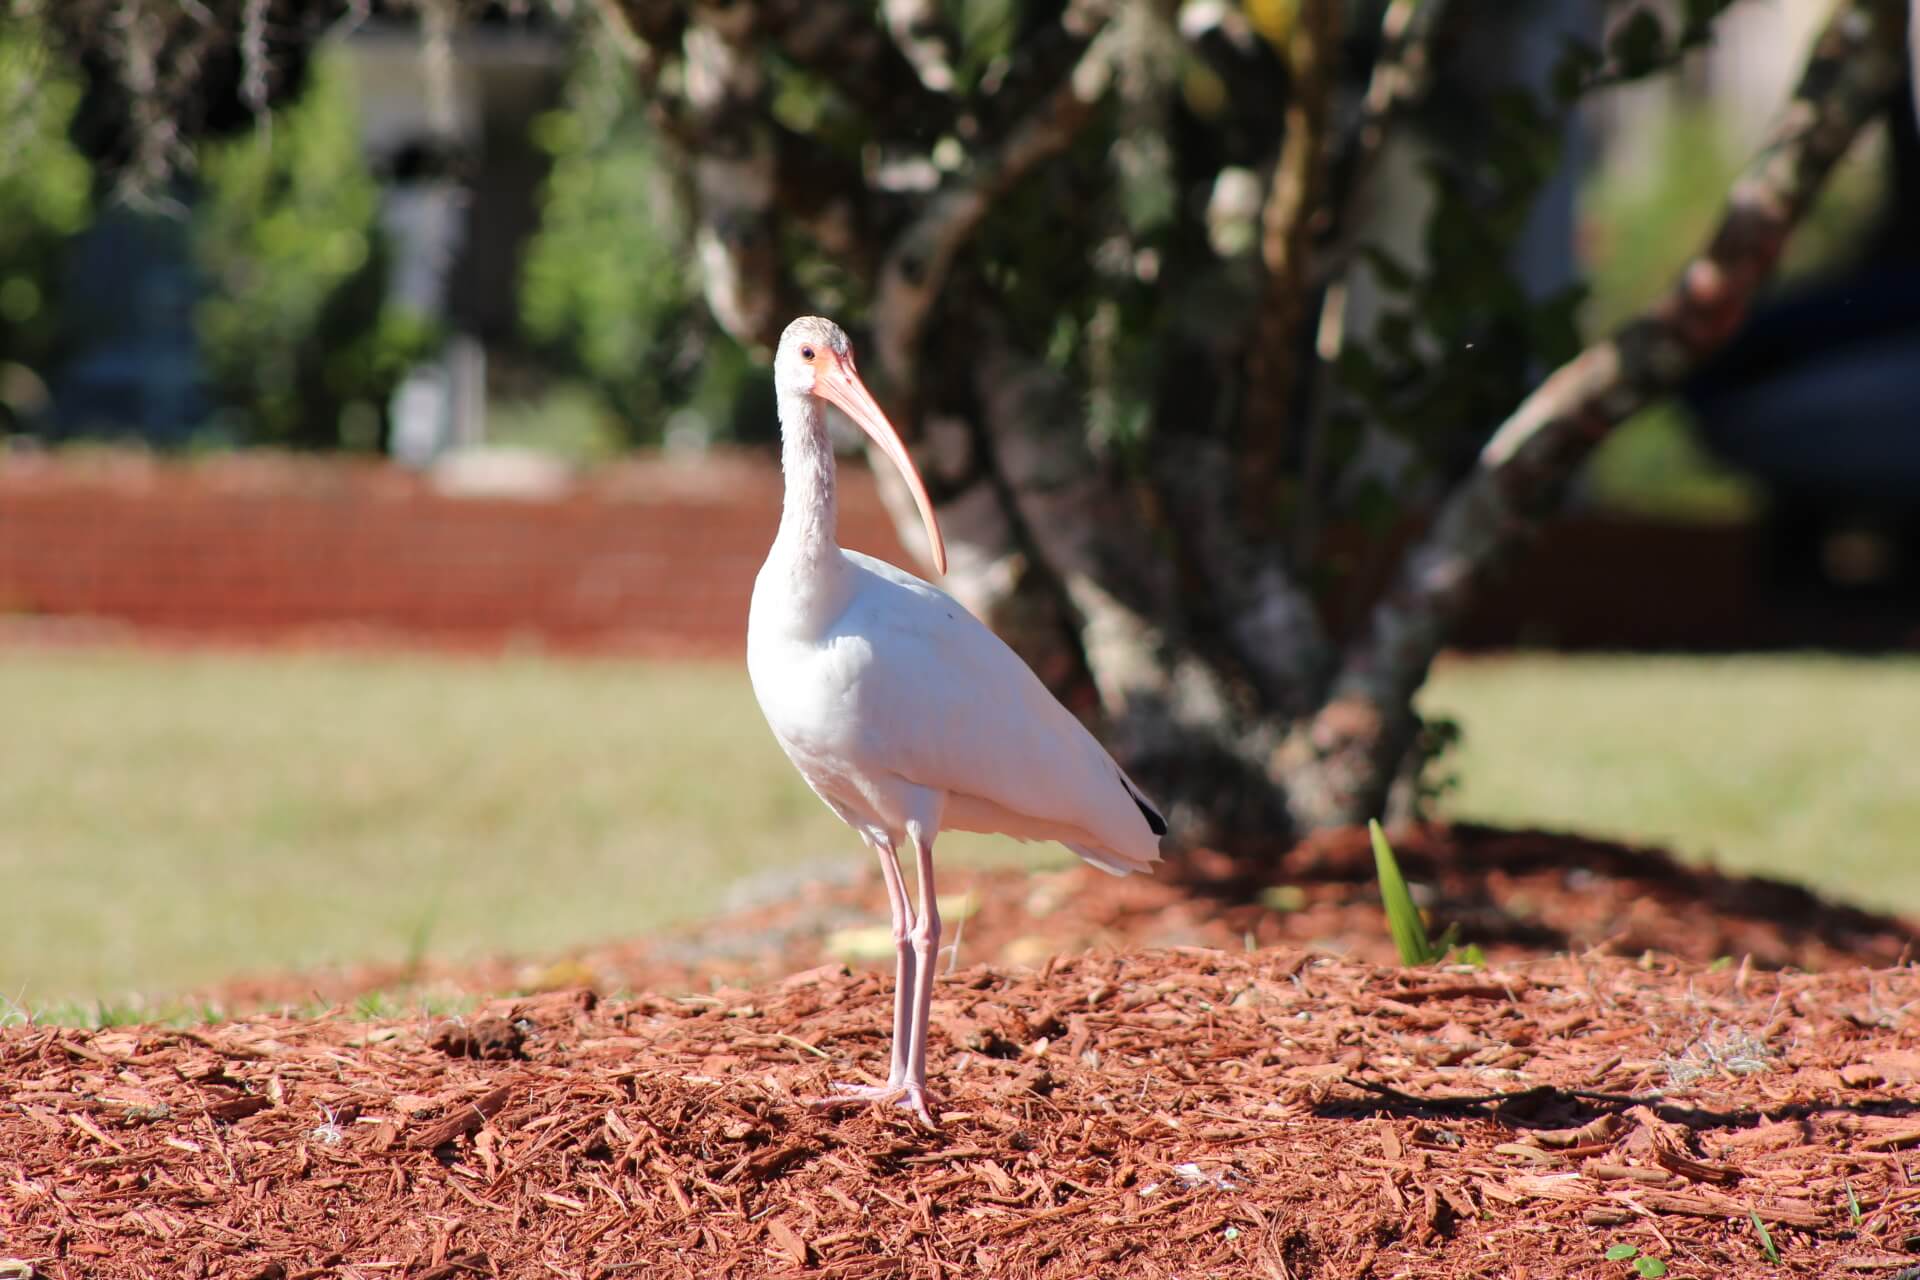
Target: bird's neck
{"type": "Point", "coordinates": [805, 571]}
{"type": "Point", "coordinates": [810, 518]}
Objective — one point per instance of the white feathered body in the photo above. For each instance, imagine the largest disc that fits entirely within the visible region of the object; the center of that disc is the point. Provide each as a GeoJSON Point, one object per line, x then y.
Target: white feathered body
{"type": "Point", "coordinates": [900, 707]}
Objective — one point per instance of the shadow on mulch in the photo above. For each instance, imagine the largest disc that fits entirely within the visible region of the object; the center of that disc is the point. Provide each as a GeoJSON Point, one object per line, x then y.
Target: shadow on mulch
{"type": "Point", "coordinates": [1516, 894]}
{"type": "Point", "coordinates": [1546, 1107]}
{"type": "Point", "coordinates": [1544, 891]}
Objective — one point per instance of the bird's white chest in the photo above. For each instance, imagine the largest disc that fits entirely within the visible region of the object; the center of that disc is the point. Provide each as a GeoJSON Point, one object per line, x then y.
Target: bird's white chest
{"type": "Point", "coordinates": [815, 694]}
{"type": "Point", "coordinates": [810, 692]}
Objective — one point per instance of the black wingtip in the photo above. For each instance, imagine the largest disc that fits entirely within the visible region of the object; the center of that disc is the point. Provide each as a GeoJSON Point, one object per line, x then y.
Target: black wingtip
{"type": "Point", "coordinates": [1155, 823]}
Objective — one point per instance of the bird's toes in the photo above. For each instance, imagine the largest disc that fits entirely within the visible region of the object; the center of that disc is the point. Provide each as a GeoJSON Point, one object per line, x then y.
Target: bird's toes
{"type": "Point", "coordinates": [908, 1097]}
{"type": "Point", "coordinates": [914, 1098]}
{"type": "Point", "coordinates": [868, 1092]}
{"type": "Point", "coordinates": [856, 1095]}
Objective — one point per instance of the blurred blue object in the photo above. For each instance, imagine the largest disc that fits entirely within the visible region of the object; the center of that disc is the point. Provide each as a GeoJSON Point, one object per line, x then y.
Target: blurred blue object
{"type": "Point", "coordinates": [1820, 395]}
{"type": "Point", "coordinates": [135, 367]}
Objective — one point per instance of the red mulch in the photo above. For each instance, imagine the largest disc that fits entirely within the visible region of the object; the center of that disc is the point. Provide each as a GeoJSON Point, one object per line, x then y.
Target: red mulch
{"type": "Point", "coordinates": [1516, 894]}
{"type": "Point", "coordinates": [1202, 1074]}
{"type": "Point", "coordinates": [1186, 1113]}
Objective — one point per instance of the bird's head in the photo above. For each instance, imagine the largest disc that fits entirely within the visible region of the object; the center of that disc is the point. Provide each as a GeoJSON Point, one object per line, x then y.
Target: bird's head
{"type": "Point", "coordinates": [816, 359]}
{"type": "Point", "coordinates": [810, 346]}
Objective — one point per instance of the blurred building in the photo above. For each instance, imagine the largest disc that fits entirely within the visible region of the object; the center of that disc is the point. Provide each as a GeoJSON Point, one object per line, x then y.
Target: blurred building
{"type": "Point", "coordinates": [443, 117]}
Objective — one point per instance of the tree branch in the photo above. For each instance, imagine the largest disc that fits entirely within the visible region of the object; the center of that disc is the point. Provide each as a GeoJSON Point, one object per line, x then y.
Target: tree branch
{"type": "Point", "coordinates": [1294, 199]}
{"type": "Point", "coordinates": [1524, 470]}
{"type": "Point", "coordinates": [1272, 627]}
{"type": "Point", "coordinates": [917, 262]}
{"type": "Point", "coordinates": [1172, 714]}
{"type": "Point", "coordinates": [735, 166]}
{"type": "Point", "coordinates": [1400, 75]}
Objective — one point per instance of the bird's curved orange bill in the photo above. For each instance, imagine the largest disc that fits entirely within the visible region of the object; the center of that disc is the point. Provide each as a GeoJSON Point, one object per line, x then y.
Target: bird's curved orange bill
{"type": "Point", "coordinates": [842, 388]}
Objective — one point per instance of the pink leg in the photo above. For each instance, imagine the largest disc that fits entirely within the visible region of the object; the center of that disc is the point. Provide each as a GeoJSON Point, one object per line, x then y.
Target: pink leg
{"type": "Point", "coordinates": [926, 948]}
{"type": "Point", "coordinates": [903, 964]}
{"type": "Point", "coordinates": [905, 972]}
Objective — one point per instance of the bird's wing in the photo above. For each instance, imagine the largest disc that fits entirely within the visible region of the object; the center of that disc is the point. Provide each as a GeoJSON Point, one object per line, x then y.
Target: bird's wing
{"type": "Point", "coordinates": [946, 704]}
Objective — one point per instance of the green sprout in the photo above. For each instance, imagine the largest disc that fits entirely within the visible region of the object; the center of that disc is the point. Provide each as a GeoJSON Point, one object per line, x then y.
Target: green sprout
{"type": "Point", "coordinates": [1766, 1240]}
{"type": "Point", "coordinates": [1403, 917]}
{"type": "Point", "coordinates": [1650, 1267]}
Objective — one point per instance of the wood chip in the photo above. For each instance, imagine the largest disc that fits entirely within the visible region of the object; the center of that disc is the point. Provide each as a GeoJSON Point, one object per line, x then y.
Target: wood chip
{"type": "Point", "coordinates": [652, 1135]}
{"type": "Point", "coordinates": [463, 1119]}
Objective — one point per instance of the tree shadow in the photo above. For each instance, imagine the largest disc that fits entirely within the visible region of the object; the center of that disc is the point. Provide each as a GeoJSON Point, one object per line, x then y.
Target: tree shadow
{"type": "Point", "coordinates": [1549, 1107]}
{"type": "Point", "coordinates": [1553, 891]}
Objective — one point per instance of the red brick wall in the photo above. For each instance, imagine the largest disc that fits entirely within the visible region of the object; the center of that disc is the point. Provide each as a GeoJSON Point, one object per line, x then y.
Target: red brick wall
{"type": "Point", "coordinates": [658, 557]}
{"type": "Point", "coordinates": [651, 556]}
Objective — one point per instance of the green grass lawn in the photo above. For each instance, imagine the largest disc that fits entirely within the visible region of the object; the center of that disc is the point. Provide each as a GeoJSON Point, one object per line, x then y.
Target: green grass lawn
{"type": "Point", "coordinates": [167, 820]}
{"type": "Point", "coordinates": [1802, 768]}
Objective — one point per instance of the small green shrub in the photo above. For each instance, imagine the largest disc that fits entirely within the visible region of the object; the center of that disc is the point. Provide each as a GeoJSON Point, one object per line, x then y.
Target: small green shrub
{"type": "Point", "coordinates": [607, 291]}
{"type": "Point", "coordinates": [301, 344]}
{"type": "Point", "coordinates": [1403, 917]}
{"type": "Point", "coordinates": [45, 198]}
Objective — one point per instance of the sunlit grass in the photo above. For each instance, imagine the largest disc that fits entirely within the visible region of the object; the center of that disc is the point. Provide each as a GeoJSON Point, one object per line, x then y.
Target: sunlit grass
{"type": "Point", "coordinates": [1797, 767]}
{"type": "Point", "coordinates": [171, 820]}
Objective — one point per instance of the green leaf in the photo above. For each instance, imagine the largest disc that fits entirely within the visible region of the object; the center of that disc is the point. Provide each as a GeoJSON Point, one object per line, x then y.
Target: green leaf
{"type": "Point", "coordinates": [1403, 917]}
{"type": "Point", "coordinates": [1853, 1203]}
{"type": "Point", "coordinates": [1621, 1252]}
{"type": "Point", "coordinates": [297, 326]}
{"type": "Point", "coordinates": [1766, 1239]}
{"type": "Point", "coordinates": [1650, 1267]}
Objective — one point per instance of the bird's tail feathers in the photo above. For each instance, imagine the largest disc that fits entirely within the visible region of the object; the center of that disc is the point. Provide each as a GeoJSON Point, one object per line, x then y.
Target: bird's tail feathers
{"type": "Point", "coordinates": [1111, 861]}
{"type": "Point", "coordinates": [1156, 823]}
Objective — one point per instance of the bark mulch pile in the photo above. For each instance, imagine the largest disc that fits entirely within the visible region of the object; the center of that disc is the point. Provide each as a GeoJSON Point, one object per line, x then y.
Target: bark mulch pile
{"type": "Point", "coordinates": [1183, 1112]}
{"type": "Point", "coordinates": [1515, 894]}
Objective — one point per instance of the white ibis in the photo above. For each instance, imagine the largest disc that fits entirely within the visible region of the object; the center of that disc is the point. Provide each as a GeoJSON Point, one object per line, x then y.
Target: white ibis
{"type": "Point", "coordinates": [900, 709]}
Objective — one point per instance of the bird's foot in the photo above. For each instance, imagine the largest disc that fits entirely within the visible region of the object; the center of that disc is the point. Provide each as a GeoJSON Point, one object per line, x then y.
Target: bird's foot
{"type": "Point", "coordinates": [906, 1095]}
{"type": "Point", "coordinates": [854, 1094]}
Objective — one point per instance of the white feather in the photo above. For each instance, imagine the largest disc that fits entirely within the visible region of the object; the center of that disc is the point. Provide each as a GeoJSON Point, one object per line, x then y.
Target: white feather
{"type": "Point", "coordinates": [899, 705]}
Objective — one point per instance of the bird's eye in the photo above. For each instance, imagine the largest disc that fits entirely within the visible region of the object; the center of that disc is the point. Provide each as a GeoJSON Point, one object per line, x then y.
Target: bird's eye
{"type": "Point", "coordinates": [806, 353]}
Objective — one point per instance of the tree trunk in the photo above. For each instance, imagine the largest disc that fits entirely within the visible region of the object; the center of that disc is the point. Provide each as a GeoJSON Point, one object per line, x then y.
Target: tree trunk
{"type": "Point", "coordinates": [1146, 565]}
